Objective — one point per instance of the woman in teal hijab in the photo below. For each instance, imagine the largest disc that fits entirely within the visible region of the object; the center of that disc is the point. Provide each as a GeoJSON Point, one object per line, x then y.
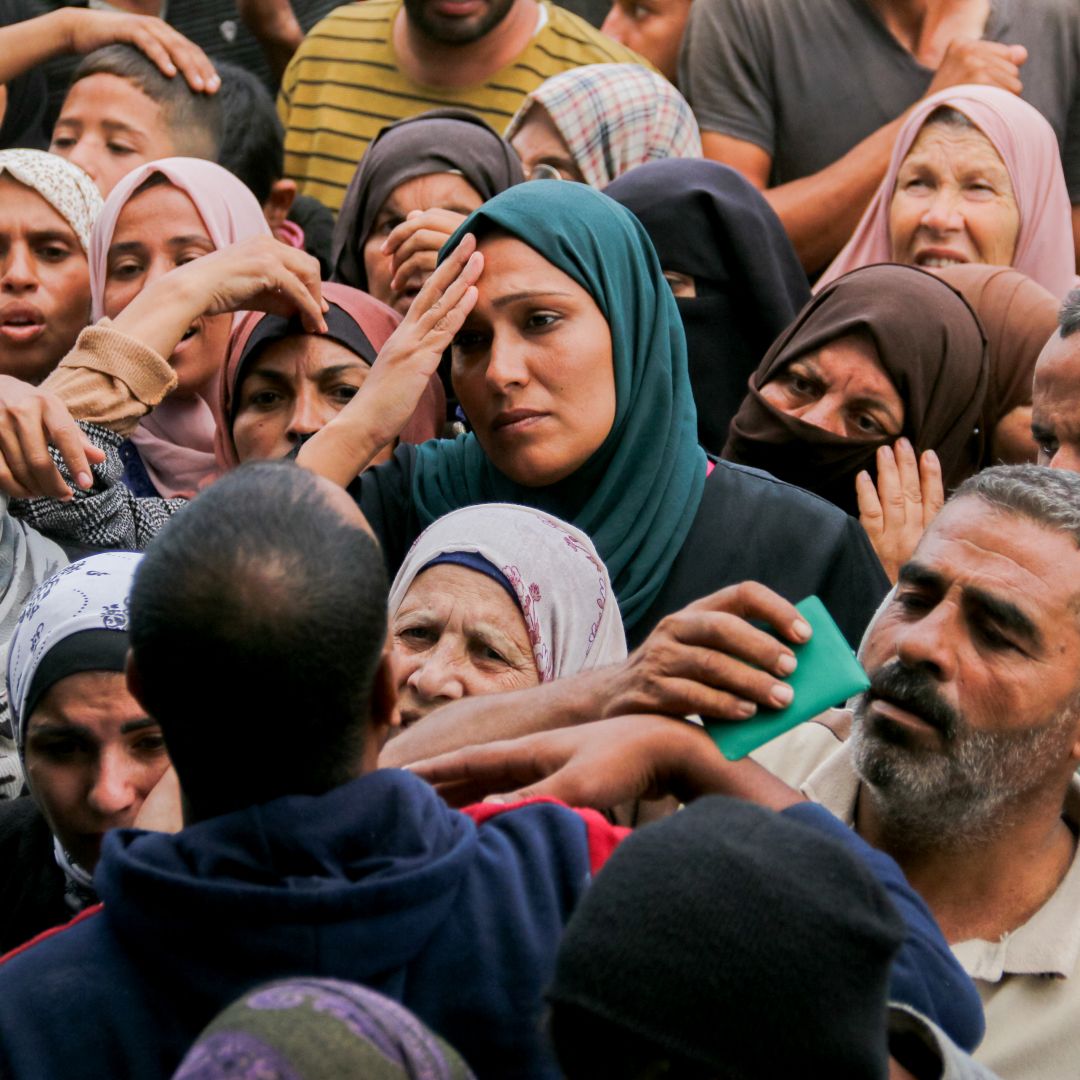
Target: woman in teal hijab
{"type": "Point", "coordinates": [571, 368]}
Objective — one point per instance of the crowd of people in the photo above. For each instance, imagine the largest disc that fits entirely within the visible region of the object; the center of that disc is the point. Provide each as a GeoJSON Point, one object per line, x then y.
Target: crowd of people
{"type": "Point", "coordinates": [420, 424]}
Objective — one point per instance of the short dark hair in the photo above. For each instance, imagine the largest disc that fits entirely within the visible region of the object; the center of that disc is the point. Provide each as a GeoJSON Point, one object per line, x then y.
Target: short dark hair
{"type": "Point", "coordinates": [258, 619]}
{"type": "Point", "coordinates": [1069, 315]}
{"type": "Point", "coordinates": [252, 138]}
{"type": "Point", "coordinates": [194, 119]}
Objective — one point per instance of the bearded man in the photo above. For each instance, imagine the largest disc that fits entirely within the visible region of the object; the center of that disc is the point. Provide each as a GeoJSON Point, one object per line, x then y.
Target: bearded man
{"type": "Point", "coordinates": [959, 761]}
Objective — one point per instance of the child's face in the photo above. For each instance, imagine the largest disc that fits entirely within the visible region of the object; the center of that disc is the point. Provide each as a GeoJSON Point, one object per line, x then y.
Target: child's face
{"type": "Point", "coordinates": [108, 126]}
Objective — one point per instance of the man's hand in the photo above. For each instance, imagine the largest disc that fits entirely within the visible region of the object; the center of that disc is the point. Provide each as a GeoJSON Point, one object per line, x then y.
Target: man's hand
{"type": "Point", "coordinates": [601, 765]}
{"type": "Point", "coordinates": [708, 658]}
{"type": "Point", "coordinates": [166, 47]}
{"type": "Point", "coordinates": [985, 63]}
{"type": "Point", "coordinates": [907, 498]}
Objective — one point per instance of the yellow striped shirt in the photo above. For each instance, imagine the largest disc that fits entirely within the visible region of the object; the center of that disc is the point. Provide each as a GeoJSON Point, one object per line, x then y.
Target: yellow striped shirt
{"type": "Point", "coordinates": [344, 85]}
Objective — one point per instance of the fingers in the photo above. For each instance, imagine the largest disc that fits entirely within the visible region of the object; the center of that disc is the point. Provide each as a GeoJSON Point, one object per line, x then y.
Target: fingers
{"type": "Point", "coordinates": [751, 600]}
{"type": "Point", "coordinates": [68, 438]}
{"type": "Point", "coordinates": [26, 455]}
{"type": "Point", "coordinates": [438, 224]}
{"type": "Point", "coordinates": [418, 266]}
{"type": "Point", "coordinates": [172, 52]}
{"type": "Point", "coordinates": [476, 771]}
{"type": "Point", "coordinates": [302, 285]}
{"type": "Point", "coordinates": [931, 485]}
{"type": "Point", "coordinates": [871, 515]}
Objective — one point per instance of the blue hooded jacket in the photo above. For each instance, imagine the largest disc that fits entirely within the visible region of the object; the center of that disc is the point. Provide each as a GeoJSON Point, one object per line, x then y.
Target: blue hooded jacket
{"type": "Point", "coordinates": [378, 882]}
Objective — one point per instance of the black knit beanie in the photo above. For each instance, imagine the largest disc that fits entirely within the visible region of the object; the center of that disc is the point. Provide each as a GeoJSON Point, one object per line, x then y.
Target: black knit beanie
{"type": "Point", "coordinates": [738, 939]}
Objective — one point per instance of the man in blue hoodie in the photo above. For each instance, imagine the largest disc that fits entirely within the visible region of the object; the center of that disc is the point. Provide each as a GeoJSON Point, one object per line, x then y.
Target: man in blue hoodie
{"type": "Point", "coordinates": [258, 630]}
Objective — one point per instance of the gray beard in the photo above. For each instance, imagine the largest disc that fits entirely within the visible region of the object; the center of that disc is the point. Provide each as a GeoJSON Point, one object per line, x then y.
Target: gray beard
{"type": "Point", "coordinates": [960, 796]}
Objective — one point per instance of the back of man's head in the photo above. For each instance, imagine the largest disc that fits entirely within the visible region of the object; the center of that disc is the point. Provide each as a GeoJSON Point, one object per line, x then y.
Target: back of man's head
{"type": "Point", "coordinates": [252, 138]}
{"type": "Point", "coordinates": [258, 620]}
{"type": "Point", "coordinates": [194, 119]}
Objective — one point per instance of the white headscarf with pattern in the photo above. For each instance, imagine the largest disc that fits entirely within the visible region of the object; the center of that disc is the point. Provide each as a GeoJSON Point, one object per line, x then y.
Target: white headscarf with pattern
{"type": "Point", "coordinates": [560, 582]}
{"type": "Point", "coordinates": [64, 186]}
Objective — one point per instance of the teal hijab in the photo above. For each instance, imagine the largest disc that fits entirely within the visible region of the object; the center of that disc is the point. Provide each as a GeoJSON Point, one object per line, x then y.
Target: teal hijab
{"type": "Point", "coordinates": [638, 494]}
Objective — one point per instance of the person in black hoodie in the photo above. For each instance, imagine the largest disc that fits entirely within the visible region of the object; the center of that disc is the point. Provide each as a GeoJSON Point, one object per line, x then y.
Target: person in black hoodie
{"type": "Point", "coordinates": [258, 626]}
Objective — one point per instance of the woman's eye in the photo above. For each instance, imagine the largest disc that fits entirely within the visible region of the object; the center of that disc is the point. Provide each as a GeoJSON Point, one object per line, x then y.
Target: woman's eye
{"type": "Point", "coordinates": [913, 601]}
{"type": "Point", "coordinates": [120, 150]}
{"type": "Point", "coordinates": [62, 750]}
{"type": "Point", "coordinates": [491, 655]}
{"type": "Point", "coordinates": [801, 386]}
{"type": "Point", "coordinates": [151, 744]}
{"type": "Point", "coordinates": [344, 393]}
{"type": "Point", "coordinates": [868, 425]}
{"type": "Point", "coordinates": [188, 257]}
{"type": "Point", "coordinates": [541, 320]}
{"type": "Point", "coordinates": [125, 271]}
{"type": "Point", "coordinates": [417, 635]}
{"type": "Point", "coordinates": [264, 399]}
{"type": "Point", "coordinates": [468, 339]}
{"type": "Point", "coordinates": [53, 253]}
{"type": "Point", "coordinates": [62, 142]}
{"type": "Point", "coordinates": [639, 12]}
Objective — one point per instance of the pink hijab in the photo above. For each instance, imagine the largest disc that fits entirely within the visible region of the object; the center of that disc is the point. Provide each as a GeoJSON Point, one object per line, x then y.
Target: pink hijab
{"type": "Point", "coordinates": [176, 441]}
{"type": "Point", "coordinates": [1029, 149]}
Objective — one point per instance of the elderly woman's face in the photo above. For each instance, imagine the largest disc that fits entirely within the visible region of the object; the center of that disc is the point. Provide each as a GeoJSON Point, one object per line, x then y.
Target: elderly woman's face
{"type": "Point", "coordinates": [158, 230]}
{"type": "Point", "coordinates": [44, 284]}
{"type": "Point", "coordinates": [293, 388]}
{"type": "Point", "coordinates": [532, 367]}
{"type": "Point", "coordinates": [458, 634]}
{"type": "Point", "coordinates": [953, 202]}
{"type": "Point", "coordinates": [841, 388]}
{"type": "Point", "coordinates": [92, 757]}
{"type": "Point", "coordinates": [437, 191]}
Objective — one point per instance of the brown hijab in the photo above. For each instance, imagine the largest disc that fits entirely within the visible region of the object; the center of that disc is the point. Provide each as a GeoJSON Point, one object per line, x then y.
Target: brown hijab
{"type": "Point", "coordinates": [930, 344]}
{"type": "Point", "coordinates": [1019, 317]}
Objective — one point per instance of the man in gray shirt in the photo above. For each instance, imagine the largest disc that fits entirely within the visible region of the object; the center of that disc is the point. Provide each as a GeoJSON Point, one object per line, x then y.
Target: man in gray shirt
{"type": "Point", "coordinates": [805, 97]}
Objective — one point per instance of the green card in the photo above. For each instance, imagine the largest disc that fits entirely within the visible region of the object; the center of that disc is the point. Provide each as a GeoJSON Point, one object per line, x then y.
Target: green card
{"type": "Point", "coordinates": [827, 675]}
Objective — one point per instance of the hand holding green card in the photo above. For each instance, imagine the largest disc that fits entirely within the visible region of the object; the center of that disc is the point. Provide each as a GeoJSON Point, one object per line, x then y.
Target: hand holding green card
{"type": "Point", "coordinates": [827, 675]}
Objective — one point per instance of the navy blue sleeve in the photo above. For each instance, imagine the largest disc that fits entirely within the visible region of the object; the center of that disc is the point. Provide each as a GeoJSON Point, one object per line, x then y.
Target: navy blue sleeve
{"type": "Point", "coordinates": [925, 974]}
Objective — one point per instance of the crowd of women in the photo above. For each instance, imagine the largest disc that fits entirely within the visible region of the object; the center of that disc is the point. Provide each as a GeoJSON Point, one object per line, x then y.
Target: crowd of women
{"type": "Point", "coordinates": [573, 375]}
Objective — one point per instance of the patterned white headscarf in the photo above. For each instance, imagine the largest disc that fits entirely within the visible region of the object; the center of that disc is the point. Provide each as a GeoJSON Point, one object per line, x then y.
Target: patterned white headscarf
{"type": "Point", "coordinates": [91, 594]}
{"type": "Point", "coordinates": [614, 117]}
{"type": "Point", "coordinates": [64, 186]}
{"type": "Point", "coordinates": [561, 583]}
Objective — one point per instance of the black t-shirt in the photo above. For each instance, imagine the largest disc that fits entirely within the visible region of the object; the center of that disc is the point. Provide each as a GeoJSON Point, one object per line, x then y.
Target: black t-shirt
{"type": "Point", "coordinates": [749, 527]}
{"type": "Point", "coordinates": [31, 884]}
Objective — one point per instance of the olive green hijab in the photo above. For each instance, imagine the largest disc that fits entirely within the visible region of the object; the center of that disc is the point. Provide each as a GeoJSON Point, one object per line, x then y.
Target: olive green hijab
{"type": "Point", "coordinates": [638, 494]}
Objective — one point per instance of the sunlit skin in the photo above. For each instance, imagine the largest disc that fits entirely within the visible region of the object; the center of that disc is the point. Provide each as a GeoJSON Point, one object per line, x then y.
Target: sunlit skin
{"type": "Point", "coordinates": [982, 609]}
{"type": "Point", "coordinates": [1055, 412]}
{"type": "Point", "coordinates": [841, 388]}
{"type": "Point", "coordinates": [157, 231]}
{"type": "Point", "coordinates": [44, 284]}
{"type": "Point", "coordinates": [92, 757]}
{"type": "Point", "coordinates": [458, 634]}
{"type": "Point", "coordinates": [532, 366]}
{"type": "Point", "coordinates": [538, 142]}
{"type": "Point", "coordinates": [291, 389]}
{"type": "Point", "coordinates": [953, 202]}
{"type": "Point", "coordinates": [652, 28]}
{"type": "Point", "coordinates": [443, 191]}
{"type": "Point", "coordinates": [108, 126]}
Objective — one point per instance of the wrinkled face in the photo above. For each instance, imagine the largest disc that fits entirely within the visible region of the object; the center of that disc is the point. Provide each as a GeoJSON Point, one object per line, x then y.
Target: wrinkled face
{"type": "Point", "coordinates": [539, 142]}
{"type": "Point", "coordinates": [1055, 401]}
{"type": "Point", "coordinates": [973, 699]}
{"type": "Point", "coordinates": [92, 757]}
{"type": "Point", "coordinates": [44, 284]}
{"type": "Point", "coordinates": [953, 202]}
{"type": "Point", "coordinates": [437, 191]}
{"type": "Point", "coordinates": [108, 126]}
{"type": "Point", "coordinates": [291, 389]}
{"type": "Point", "coordinates": [458, 634]}
{"type": "Point", "coordinates": [532, 367]}
{"type": "Point", "coordinates": [456, 22]}
{"type": "Point", "coordinates": [652, 28]}
{"type": "Point", "coordinates": [841, 388]}
{"type": "Point", "coordinates": [158, 230]}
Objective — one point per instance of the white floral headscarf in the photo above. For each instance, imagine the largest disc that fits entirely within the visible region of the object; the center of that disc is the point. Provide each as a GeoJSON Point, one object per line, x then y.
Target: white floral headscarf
{"type": "Point", "coordinates": [64, 186]}
{"type": "Point", "coordinates": [560, 582]}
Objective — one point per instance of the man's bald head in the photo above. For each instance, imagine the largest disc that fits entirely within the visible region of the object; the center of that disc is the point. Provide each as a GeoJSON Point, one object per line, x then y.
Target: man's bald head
{"type": "Point", "coordinates": [258, 620]}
